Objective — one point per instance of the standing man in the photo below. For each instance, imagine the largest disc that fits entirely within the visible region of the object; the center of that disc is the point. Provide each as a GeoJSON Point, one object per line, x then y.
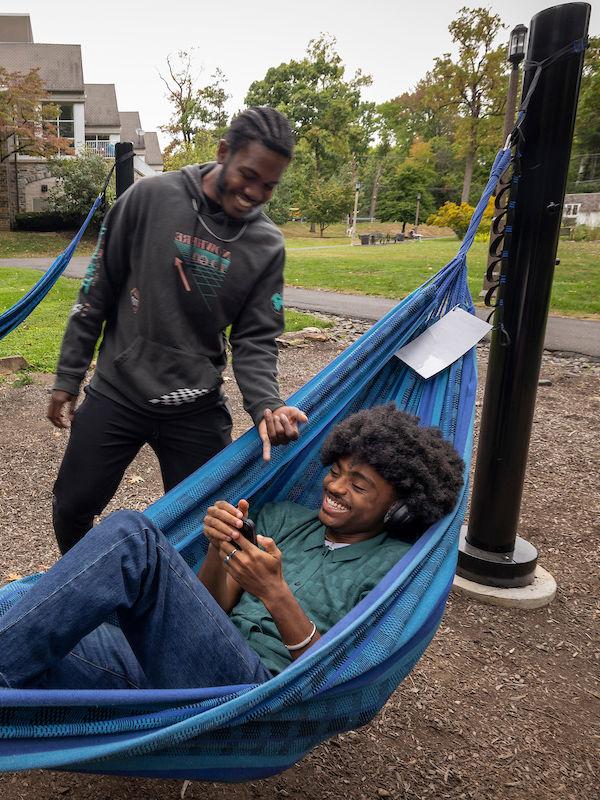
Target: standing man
{"type": "Point", "coordinates": [179, 259]}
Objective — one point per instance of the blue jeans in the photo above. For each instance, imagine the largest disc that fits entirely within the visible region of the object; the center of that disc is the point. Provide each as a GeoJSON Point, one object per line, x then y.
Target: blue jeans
{"type": "Point", "coordinates": [173, 634]}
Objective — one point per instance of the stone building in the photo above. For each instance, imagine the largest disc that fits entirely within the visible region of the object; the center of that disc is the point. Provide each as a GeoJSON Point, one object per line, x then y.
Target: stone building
{"type": "Point", "coordinates": [88, 117]}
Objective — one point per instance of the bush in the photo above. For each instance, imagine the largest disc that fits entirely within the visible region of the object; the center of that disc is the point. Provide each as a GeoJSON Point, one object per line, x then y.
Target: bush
{"type": "Point", "coordinates": [585, 233]}
{"type": "Point", "coordinates": [457, 217]}
{"type": "Point", "coordinates": [45, 221]}
{"type": "Point", "coordinates": [80, 180]}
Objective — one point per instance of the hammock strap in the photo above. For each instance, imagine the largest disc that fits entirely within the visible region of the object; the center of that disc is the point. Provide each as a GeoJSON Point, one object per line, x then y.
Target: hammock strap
{"type": "Point", "coordinates": [573, 48]}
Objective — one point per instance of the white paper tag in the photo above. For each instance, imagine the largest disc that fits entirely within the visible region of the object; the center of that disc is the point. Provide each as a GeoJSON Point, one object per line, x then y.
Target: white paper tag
{"type": "Point", "coordinates": [444, 342]}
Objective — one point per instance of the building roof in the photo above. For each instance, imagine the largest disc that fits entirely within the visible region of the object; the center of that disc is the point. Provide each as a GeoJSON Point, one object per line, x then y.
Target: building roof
{"type": "Point", "coordinates": [101, 106]}
{"type": "Point", "coordinates": [130, 125]}
{"type": "Point", "coordinates": [15, 28]}
{"type": "Point", "coordinates": [153, 154]}
{"type": "Point", "coordinates": [59, 64]}
{"type": "Point", "coordinates": [589, 201]}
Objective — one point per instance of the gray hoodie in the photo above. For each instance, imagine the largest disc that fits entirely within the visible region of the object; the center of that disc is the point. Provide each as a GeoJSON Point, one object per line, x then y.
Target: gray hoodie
{"type": "Point", "coordinates": [165, 290]}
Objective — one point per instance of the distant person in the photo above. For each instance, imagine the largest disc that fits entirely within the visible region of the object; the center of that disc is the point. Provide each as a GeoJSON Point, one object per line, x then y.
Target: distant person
{"type": "Point", "coordinates": [179, 259]}
{"type": "Point", "coordinates": [255, 609]}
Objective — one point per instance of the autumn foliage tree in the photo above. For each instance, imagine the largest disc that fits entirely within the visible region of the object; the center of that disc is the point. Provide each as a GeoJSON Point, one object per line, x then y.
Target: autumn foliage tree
{"type": "Point", "coordinates": [460, 100]}
{"type": "Point", "coordinates": [24, 125]}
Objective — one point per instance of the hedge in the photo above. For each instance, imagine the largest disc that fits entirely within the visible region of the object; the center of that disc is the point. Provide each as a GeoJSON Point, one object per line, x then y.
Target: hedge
{"type": "Point", "coordinates": [47, 221]}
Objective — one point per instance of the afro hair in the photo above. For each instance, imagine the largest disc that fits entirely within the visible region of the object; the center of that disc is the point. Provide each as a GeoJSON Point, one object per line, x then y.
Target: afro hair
{"type": "Point", "coordinates": [424, 469]}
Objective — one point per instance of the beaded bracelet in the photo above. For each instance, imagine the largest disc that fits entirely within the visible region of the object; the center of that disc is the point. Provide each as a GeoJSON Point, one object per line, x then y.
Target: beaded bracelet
{"type": "Point", "coordinates": [305, 642]}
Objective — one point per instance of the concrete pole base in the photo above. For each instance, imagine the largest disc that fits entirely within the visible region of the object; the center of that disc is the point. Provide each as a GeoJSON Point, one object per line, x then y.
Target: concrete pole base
{"type": "Point", "coordinates": [538, 594]}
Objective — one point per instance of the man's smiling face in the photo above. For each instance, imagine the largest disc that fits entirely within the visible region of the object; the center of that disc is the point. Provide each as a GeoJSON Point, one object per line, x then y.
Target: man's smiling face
{"type": "Point", "coordinates": [248, 177]}
{"type": "Point", "coordinates": [355, 501]}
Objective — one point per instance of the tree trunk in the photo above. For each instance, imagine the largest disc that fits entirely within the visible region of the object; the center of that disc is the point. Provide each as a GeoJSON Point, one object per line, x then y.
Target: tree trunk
{"type": "Point", "coordinates": [469, 161]}
{"type": "Point", "coordinates": [375, 190]}
{"type": "Point", "coordinates": [313, 228]}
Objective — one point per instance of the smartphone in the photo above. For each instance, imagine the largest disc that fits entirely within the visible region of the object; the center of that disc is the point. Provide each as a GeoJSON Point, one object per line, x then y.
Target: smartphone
{"type": "Point", "coordinates": [249, 530]}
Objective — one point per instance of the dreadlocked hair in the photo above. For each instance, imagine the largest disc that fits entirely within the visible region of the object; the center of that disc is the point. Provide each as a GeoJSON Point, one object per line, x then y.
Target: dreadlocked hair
{"type": "Point", "coordinates": [262, 124]}
{"type": "Point", "coordinates": [423, 468]}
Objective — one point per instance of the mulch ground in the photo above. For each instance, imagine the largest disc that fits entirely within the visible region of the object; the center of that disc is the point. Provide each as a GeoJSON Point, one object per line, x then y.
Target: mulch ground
{"type": "Point", "coordinates": [505, 703]}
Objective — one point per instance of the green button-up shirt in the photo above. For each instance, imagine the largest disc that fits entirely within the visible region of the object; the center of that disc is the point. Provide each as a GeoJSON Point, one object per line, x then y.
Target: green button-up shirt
{"type": "Point", "coordinates": [326, 583]}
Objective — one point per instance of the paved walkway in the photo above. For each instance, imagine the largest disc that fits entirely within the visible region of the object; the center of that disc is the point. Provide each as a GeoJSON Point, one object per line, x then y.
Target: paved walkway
{"type": "Point", "coordinates": [562, 333]}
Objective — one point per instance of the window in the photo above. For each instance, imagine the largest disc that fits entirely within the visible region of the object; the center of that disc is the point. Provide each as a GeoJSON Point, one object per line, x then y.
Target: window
{"type": "Point", "coordinates": [571, 209]}
{"type": "Point", "coordinates": [64, 122]}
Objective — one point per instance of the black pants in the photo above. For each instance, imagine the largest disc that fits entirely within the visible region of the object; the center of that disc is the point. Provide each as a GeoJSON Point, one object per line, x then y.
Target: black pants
{"type": "Point", "coordinates": [106, 437]}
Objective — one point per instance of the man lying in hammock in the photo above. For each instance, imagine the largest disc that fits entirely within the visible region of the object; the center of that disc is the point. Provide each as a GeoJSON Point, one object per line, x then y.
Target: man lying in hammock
{"type": "Point", "coordinates": [255, 609]}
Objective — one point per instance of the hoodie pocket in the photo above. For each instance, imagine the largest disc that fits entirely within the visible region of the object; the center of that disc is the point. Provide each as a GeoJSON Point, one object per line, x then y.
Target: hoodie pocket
{"type": "Point", "coordinates": [159, 375]}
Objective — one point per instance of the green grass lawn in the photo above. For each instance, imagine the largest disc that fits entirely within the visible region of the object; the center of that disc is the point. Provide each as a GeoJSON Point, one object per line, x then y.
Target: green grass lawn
{"type": "Point", "coordinates": [386, 270]}
{"type": "Point", "coordinates": [17, 244]}
{"type": "Point", "coordinates": [38, 338]}
{"type": "Point", "coordinates": [395, 270]}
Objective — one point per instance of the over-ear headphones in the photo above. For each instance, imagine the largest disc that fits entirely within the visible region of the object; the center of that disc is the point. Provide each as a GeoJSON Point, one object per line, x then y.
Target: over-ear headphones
{"type": "Point", "coordinates": [400, 522]}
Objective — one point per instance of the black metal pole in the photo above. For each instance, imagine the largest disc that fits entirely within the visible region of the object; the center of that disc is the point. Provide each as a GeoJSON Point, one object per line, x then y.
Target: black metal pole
{"type": "Point", "coordinates": [490, 550]}
{"type": "Point", "coordinates": [123, 167]}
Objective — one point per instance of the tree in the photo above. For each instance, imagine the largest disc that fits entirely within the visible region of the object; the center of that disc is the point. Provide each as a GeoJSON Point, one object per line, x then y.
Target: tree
{"type": "Point", "coordinates": [398, 197]}
{"type": "Point", "coordinates": [418, 114]}
{"type": "Point", "coordinates": [323, 106]}
{"type": "Point", "coordinates": [203, 148]}
{"type": "Point", "coordinates": [194, 108]}
{"type": "Point", "coordinates": [24, 125]}
{"type": "Point", "coordinates": [473, 86]}
{"type": "Point", "coordinates": [80, 181]}
{"type": "Point", "coordinates": [325, 110]}
{"type": "Point", "coordinates": [585, 164]}
{"type": "Point", "coordinates": [413, 176]}
{"type": "Point", "coordinates": [327, 201]}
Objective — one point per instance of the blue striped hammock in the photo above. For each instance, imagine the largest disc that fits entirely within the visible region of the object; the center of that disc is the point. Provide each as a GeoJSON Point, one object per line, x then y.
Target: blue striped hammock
{"type": "Point", "coordinates": [236, 733]}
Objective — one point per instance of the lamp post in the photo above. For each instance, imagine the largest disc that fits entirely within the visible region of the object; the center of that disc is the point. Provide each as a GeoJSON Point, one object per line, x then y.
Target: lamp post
{"type": "Point", "coordinates": [357, 187]}
{"type": "Point", "coordinates": [515, 55]}
{"type": "Point", "coordinates": [417, 212]}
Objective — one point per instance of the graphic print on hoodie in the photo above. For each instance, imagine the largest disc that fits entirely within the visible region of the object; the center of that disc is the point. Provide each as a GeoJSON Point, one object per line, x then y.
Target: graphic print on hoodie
{"type": "Point", "coordinates": [208, 264]}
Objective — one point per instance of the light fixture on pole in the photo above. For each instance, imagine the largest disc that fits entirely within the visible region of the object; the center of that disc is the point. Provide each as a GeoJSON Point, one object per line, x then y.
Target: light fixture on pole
{"type": "Point", "coordinates": [516, 54]}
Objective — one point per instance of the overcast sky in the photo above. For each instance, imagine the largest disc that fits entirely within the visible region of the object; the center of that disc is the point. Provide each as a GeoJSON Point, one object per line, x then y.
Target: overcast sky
{"type": "Point", "coordinates": [127, 42]}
